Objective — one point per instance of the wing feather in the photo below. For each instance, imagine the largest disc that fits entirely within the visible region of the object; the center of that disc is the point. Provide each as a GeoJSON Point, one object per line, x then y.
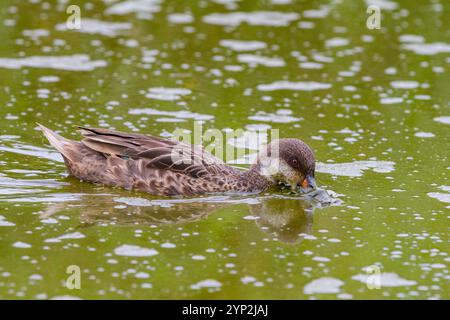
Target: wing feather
{"type": "Point", "coordinates": [161, 153]}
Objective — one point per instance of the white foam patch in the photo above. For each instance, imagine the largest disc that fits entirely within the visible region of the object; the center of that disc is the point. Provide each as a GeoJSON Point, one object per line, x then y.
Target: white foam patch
{"type": "Point", "coordinates": [422, 97]}
{"type": "Point", "coordinates": [390, 70]}
{"type": "Point", "coordinates": [428, 48]}
{"type": "Point", "coordinates": [355, 169]}
{"type": "Point", "coordinates": [404, 84]}
{"type": "Point", "coordinates": [21, 245]}
{"type": "Point", "coordinates": [168, 245]}
{"type": "Point", "coordinates": [387, 279]}
{"type": "Point", "coordinates": [73, 235]}
{"type": "Point", "coordinates": [142, 275]}
{"type": "Point", "coordinates": [229, 4]}
{"type": "Point", "coordinates": [92, 26]}
{"type": "Point", "coordinates": [240, 45]}
{"type": "Point", "coordinates": [445, 119]}
{"type": "Point", "coordinates": [336, 42]}
{"type": "Point", "coordinates": [169, 120]}
{"type": "Point", "coordinates": [182, 114]}
{"type": "Point", "coordinates": [311, 65]}
{"type": "Point", "coordinates": [383, 4]}
{"type": "Point", "coordinates": [248, 279]}
{"type": "Point", "coordinates": [296, 86]}
{"type": "Point", "coordinates": [254, 60]}
{"type": "Point", "coordinates": [325, 285]}
{"type": "Point", "coordinates": [68, 236]}
{"type": "Point", "coordinates": [411, 38]}
{"type": "Point", "coordinates": [256, 18]}
{"type": "Point", "coordinates": [443, 197]}
{"type": "Point", "coordinates": [320, 13]}
{"type": "Point", "coordinates": [422, 134]}
{"type": "Point", "coordinates": [4, 223]}
{"type": "Point", "coordinates": [167, 94]}
{"type": "Point", "coordinates": [280, 116]}
{"type": "Point", "coordinates": [49, 221]}
{"type": "Point", "coordinates": [391, 100]}
{"type": "Point", "coordinates": [306, 25]}
{"type": "Point", "coordinates": [36, 33]}
{"type": "Point", "coordinates": [134, 6]}
{"type": "Point", "coordinates": [180, 18]}
{"type": "Point", "coordinates": [281, 2]}
{"type": "Point", "coordinates": [49, 79]}
{"type": "Point", "coordinates": [129, 250]}
{"type": "Point", "coordinates": [207, 283]}
{"type": "Point", "coordinates": [76, 62]}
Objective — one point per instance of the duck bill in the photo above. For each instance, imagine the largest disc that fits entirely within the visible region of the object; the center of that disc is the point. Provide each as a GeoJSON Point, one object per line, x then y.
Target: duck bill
{"type": "Point", "coordinates": [308, 184]}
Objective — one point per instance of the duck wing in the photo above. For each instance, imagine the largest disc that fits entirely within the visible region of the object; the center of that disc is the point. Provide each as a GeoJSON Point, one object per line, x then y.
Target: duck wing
{"type": "Point", "coordinates": [160, 153]}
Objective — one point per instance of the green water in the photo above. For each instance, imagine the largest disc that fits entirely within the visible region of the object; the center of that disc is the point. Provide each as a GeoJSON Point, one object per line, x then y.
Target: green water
{"type": "Point", "coordinates": [378, 120]}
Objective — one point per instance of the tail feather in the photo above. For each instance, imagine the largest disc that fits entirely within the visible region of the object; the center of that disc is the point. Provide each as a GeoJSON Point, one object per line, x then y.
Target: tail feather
{"type": "Point", "coordinates": [58, 142]}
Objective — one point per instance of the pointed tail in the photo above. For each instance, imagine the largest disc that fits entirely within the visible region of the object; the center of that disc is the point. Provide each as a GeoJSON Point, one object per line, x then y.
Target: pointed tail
{"type": "Point", "coordinates": [60, 143]}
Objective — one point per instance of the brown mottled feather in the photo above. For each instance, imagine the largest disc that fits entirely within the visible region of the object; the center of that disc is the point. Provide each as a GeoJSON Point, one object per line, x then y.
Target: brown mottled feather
{"type": "Point", "coordinates": [145, 163]}
{"type": "Point", "coordinates": [161, 153]}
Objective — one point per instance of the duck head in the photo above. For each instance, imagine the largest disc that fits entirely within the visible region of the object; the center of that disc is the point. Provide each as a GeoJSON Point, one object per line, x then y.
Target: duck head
{"type": "Point", "coordinates": [288, 161]}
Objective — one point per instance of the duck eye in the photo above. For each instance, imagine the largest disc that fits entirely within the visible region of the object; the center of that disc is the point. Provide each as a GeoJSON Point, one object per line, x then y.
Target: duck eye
{"type": "Point", "coordinates": [294, 162]}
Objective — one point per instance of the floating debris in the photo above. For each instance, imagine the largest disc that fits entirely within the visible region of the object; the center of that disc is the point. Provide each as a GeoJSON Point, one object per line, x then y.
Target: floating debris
{"type": "Point", "coordinates": [387, 279]}
{"type": "Point", "coordinates": [207, 283]}
{"type": "Point", "coordinates": [76, 62]}
{"type": "Point", "coordinates": [257, 18]}
{"type": "Point", "coordinates": [356, 168]}
{"type": "Point", "coordinates": [128, 250]}
{"type": "Point", "coordinates": [240, 45]}
{"type": "Point", "coordinates": [325, 285]}
{"type": "Point", "coordinates": [290, 85]}
{"type": "Point", "coordinates": [92, 26]}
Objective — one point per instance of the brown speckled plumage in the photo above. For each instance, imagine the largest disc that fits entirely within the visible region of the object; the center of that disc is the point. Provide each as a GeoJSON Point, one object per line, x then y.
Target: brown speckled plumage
{"type": "Point", "coordinates": [165, 167]}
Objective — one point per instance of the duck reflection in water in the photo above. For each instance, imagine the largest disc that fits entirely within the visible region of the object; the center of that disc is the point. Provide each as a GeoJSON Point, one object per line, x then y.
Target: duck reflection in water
{"type": "Point", "coordinates": [287, 219]}
{"type": "Point", "coordinates": [284, 220]}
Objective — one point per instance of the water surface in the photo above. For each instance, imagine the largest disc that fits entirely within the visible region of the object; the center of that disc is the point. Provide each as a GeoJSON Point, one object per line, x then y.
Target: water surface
{"type": "Point", "coordinates": [372, 104]}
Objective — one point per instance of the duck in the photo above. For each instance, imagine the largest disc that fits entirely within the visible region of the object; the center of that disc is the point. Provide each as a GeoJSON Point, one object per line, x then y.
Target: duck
{"type": "Point", "coordinates": [167, 167]}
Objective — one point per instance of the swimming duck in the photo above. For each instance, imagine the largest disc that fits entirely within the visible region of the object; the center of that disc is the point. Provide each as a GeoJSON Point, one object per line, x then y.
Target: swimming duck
{"type": "Point", "coordinates": [172, 168]}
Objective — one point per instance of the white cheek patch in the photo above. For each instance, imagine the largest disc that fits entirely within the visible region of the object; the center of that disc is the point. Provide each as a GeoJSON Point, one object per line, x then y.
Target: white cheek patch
{"type": "Point", "coordinates": [290, 175]}
{"type": "Point", "coordinates": [270, 167]}
{"type": "Point", "coordinates": [278, 170]}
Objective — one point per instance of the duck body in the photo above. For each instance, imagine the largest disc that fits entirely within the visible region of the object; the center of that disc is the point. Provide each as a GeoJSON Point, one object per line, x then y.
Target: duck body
{"type": "Point", "coordinates": [155, 165]}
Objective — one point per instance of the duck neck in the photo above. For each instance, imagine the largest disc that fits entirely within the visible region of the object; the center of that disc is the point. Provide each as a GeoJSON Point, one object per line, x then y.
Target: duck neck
{"type": "Point", "coordinates": [256, 180]}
